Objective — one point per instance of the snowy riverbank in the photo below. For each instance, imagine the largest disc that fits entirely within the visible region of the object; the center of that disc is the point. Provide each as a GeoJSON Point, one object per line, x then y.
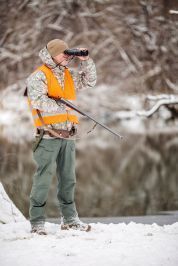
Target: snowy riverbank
{"type": "Point", "coordinates": [107, 244]}
{"type": "Point", "coordinates": [113, 244]}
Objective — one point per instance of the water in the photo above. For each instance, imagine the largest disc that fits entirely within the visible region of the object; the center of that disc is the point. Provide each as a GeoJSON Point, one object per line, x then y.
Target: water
{"type": "Point", "coordinates": [162, 218]}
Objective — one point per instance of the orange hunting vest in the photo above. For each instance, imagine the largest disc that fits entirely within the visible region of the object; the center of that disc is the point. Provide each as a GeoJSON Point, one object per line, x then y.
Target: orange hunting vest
{"type": "Point", "coordinates": [55, 90]}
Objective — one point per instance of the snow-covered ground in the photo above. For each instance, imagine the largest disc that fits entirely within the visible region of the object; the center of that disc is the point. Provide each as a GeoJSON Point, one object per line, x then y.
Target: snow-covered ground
{"type": "Point", "coordinates": [106, 245]}
{"type": "Point", "coordinates": [113, 244]}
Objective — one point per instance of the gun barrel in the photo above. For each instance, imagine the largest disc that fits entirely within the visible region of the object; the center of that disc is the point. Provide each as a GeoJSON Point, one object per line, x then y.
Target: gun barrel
{"type": "Point", "coordinates": [71, 105]}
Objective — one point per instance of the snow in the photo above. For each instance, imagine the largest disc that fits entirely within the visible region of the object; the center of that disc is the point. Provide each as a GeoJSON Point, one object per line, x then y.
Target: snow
{"type": "Point", "coordinates": [126, 111]}
{"type": "Point", "coordinates": [107, 244]}
{"type": "Point", "coordinates": [8, 211]}
{"type": "Point", "coordinates": [113, 244]}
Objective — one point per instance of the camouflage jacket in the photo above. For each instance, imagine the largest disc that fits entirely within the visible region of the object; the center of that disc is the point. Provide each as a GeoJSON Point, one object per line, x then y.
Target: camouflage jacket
{"type": "Point", "coordinates": [37, 90]}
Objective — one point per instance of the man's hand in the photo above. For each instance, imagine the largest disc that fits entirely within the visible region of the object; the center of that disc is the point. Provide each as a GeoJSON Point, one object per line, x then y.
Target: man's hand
{"type": "Point", "coordinates": [83, 58]}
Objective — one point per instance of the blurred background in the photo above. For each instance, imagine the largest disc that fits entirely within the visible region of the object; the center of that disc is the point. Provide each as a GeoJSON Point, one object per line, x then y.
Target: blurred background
{"type": "Point", "coordinates": [134, 45]}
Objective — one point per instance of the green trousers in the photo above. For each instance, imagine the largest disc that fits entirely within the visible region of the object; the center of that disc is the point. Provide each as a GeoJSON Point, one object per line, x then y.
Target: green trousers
{"type": "Point", "coordinates": [50, 153]}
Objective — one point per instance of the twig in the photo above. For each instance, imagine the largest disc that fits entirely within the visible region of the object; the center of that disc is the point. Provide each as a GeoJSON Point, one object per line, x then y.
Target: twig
{"type": "Point", "coordinates": [6, 34]}
{"type": "Point", "coordinates": [23, 5]}
{"type": "Point", "coordinates": [124, 55]}
{"type": "Point", "coordinates": [153, 72]}
{"type": "Point", "coordinates": [54, 27]}
{"type": "Point", "coordinates": [171, 85]}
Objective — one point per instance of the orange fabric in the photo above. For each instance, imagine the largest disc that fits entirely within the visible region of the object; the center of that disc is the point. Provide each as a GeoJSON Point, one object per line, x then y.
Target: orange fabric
{"type": "Point", "coordinates": [54, 88]}
{"type": "Point", "coordinates": [48, 120]}
{"type": "Point", "coordinates": [56, 91]}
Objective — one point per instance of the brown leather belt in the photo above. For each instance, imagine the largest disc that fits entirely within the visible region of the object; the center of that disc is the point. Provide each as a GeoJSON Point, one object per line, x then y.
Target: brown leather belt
{"type": "Point", "coordinates": [61, 132]}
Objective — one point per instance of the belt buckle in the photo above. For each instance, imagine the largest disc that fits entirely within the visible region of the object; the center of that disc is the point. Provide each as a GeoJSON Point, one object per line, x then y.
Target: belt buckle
{"type": "Point", "coordinates": [63, 133]}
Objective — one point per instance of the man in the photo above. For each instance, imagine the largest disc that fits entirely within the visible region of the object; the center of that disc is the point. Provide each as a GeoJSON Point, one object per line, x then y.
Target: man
{"type": "Point", "coordinates": [58, 124]}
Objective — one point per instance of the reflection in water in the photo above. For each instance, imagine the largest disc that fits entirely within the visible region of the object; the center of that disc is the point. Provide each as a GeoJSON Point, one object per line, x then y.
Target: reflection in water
{"type": "Point", "coordinates": [135, 177]}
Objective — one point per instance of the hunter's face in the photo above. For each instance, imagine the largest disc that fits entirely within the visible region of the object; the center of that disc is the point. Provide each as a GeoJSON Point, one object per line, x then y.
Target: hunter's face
{"type": "Point", "coordinates": [62, 59]}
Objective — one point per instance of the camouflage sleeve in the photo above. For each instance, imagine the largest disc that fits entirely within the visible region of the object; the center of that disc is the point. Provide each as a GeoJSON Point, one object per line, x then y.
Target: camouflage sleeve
{"type": "Point", "coordinates": [37, 92]}
{"type": "Point", "coordinates": [85, 76]}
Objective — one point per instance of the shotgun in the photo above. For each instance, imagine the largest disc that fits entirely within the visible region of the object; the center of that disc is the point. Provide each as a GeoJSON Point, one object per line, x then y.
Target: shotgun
{"type": "Point", "coordinates": [71, 105]}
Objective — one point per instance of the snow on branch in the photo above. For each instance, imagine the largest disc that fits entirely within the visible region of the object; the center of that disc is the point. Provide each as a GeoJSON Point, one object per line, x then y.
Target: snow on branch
{"type": "Point", "coordinates": [161, 97]}
{"type": "Point", "coordinates": [173, 11]}
{"type": "Point", "coordinates": [161, 100]}
{"type": "Point", "coordinates": [173, 100]}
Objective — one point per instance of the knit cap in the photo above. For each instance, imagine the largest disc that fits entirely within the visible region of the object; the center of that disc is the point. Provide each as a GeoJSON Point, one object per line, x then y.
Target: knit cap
{"type": "Point", "coordinates": [56, 47]}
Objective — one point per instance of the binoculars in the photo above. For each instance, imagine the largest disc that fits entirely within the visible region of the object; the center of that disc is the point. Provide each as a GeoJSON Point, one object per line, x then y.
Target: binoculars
{"type": "Point", "coordinates": [76, 52]}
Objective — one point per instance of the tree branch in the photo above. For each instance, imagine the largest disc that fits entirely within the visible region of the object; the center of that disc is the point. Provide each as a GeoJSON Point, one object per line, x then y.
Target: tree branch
{"type": "Point", "coordinates": [173, 11]}
{"type": "Point", "coordinates": [157, 106]}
